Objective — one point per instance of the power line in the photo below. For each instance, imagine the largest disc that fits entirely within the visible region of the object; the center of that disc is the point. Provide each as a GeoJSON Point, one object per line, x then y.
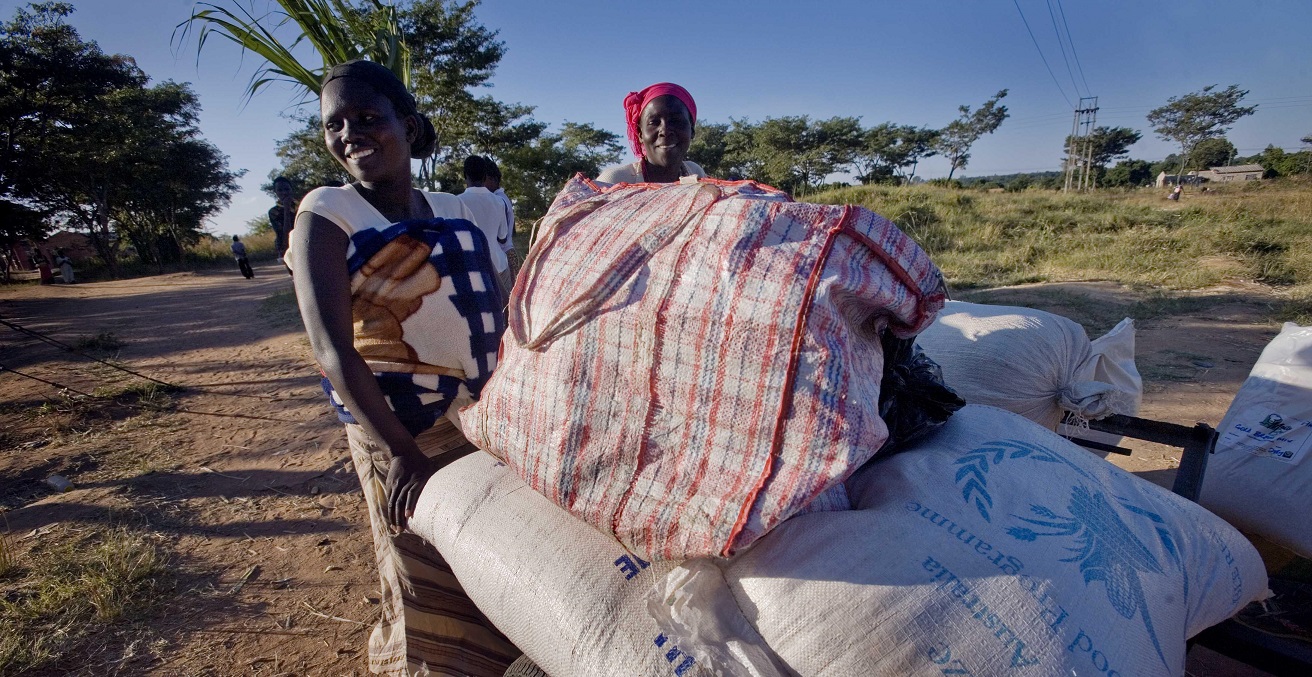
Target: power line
{"type": "Point", "coordinates": [140, 405]}
{"type": "Point", "coordinates": [67, 348]}
{"type": "Point", "coordinates": [1062, 46]}
{"type": "Point", "coordinates": [1041, 56]}
{"type": "Point", "coordinates": [64, 346]}
{"type": "Point", "coordinates": [1071, 42]}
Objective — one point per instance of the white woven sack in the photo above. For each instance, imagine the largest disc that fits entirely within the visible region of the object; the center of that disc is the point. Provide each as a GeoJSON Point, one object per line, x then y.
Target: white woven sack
{"type": "Point", "coordinates": [1034, 363]}
{"type": "Point", "coordinates": [688, 365]}
{"type": "Point", "coordinates": [569, 596]}
{"type": "Point", "coordinates": [995, 547]}
{"type": "Point", "coordinates": [1260, 477]}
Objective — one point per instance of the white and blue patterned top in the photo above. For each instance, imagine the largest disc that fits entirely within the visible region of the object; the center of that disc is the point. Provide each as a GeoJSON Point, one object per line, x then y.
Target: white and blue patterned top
{"type": "Point", "coordinates": [424, 299]}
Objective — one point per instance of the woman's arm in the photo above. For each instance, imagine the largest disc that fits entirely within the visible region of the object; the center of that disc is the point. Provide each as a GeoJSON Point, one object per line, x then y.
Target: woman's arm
{"type": "Point", "coordinates": [323, 291]}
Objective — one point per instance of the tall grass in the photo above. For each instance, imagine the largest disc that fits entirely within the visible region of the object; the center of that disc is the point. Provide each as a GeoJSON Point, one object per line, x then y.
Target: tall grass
{"type": "Point", "coordinates": [1259, 231]}
{"type": "Point", "coordinates": [218, 250]}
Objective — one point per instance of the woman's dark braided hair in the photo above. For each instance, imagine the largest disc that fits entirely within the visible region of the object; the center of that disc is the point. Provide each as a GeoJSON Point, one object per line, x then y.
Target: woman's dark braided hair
{"type": "Point", "coordinates": [386, 83]}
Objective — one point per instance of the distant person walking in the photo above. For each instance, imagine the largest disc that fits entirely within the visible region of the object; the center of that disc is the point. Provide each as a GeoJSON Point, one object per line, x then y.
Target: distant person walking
{"type": "Point", "coordinates": [65, 266]}
{"type": "Point", "coordinates": [1175, 194]}
{"type": "Point", "coordinates": [282, 216]}
{"type": "Point", "coordinates": [239, 252]}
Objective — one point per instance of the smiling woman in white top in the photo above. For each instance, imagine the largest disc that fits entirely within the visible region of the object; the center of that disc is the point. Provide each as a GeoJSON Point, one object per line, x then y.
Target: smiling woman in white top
{"type": "Point", "coordinates": [399, 297]}
{"type": "Point", "coordinates": [661, 123]}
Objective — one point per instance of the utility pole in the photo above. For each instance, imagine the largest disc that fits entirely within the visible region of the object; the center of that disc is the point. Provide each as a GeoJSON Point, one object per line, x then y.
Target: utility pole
{"type": "Point", "coordinates": [1079, 152]}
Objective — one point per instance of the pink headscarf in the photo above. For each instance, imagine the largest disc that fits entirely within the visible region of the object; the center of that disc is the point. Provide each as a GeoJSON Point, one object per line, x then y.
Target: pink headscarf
{"type": "Point", "coordinates": [636, 101]}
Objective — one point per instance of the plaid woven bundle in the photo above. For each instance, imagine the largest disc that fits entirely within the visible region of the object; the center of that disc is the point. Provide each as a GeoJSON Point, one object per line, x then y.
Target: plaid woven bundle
{"type": "Point", "coordinates": [688, 365]}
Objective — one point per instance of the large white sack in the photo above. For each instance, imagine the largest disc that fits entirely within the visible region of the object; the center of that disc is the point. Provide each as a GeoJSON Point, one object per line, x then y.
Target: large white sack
{"type": "Point", "coordinates": [845, 593]}
{"type": "Point", "coordinates": [1260, 477]}
{"type": "Point", "coordinates": [995, 547]}
{"type": "Point", "coordinates": [1034, 363]}
{"type": "Point", "coordinates": [569, 596]}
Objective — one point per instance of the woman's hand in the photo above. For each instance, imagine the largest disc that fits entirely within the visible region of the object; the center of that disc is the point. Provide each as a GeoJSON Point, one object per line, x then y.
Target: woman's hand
{"type": "Point", "coordinates": [406, 476]}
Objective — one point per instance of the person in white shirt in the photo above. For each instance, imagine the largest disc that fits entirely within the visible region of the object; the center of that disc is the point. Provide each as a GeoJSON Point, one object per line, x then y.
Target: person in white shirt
{"type": "Point", "coordinates": [239, 253]}
{"type": "Point", "coordinates": [490, 217]}
{"type": "Point", "coordinates": [493, 183]}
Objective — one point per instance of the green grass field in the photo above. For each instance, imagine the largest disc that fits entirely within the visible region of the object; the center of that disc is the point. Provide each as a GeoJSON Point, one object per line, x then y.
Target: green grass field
{"type": "Point", "coordinates": [1259, 231]}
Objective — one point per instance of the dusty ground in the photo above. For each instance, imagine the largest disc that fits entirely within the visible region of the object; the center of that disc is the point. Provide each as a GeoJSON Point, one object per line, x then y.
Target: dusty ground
{"type": "Point", "coordinates": [253, 488]}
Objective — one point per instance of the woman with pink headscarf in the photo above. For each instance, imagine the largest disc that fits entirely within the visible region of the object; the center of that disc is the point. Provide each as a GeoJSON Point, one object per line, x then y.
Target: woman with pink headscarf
{"type": "Point", "coordinates": [661, 124]}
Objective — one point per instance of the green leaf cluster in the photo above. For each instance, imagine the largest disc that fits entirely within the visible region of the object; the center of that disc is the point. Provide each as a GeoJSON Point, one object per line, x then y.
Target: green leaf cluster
{"type": "Point", "coordinates": [1103, 145]}
{"type": "Point", "coordinates": [955, 140]}
{"type": "Point", "coordinates": [337, 30]}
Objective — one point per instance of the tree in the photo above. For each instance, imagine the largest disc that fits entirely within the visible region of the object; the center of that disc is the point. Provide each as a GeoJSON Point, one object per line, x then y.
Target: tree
{"type": "Point", "coordinates": [1129, 173]}
{"type": "Point", "coordinates": [467, 125]}
{"type": "Point", "coordinates": [258, 225]}
{"type": "Point", "coordinates": [48, 78]}
{"type": "Point", "coordinates": [914, 145]}
{"type": "Point", "coordinates": [876, 158]}
{"type": "Point", "coordinates": [1104, 145]}
{"type": "Point", "coordinates": [163, 211]}
{"type": "Point", "coordinates": [954, 140]}
{"type": "Point", "coordinates": [453, 56]}
{"type": "Point", "coordinates": [1205, 114]}
{"type": "Point", "coordinates": [1214, 152]}
{"type": "Point", "coordinates": [535, 171]}
{"type": "Point", "coordinates": [305, 159]}
{"type": "Point", "coordinates": [795, 154]}
{"type": "Point", "coordinates": [87, 139]}
{"type": "Point", "coordinates": [107, 160]}
{"type": "Point", "coordinates": [890, 151]}
{"type": "Point", "coordinates": [1277, 162]}
{"type": "Point", "coordinates": [710, 147]}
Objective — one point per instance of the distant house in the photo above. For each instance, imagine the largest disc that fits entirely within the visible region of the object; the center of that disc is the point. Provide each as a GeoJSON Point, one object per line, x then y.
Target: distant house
{"type": "Point", "coordinates": [1217, 174]}
{"type": "Point", "coordinates": [1164, 179]}
{"type": "Point", "coordinates": [76, 245]}
{"type": "Point", "coordinates": [1232, 174]}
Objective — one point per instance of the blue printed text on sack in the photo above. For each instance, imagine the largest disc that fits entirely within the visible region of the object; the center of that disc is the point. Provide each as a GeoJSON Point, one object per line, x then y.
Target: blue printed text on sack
{"type": "Point", "coordinates": [630, 565]}
{"type": "Point", "coordinates": [981, 612]}
{"type": "Point", "coordinates": [1052, 615]}
{"type": "Point", "coordinates": [675, 656]}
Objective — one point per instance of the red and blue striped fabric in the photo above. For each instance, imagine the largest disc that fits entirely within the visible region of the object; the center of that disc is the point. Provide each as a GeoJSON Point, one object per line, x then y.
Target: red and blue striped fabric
{"type": "Point", "coordinates": [688, 365]}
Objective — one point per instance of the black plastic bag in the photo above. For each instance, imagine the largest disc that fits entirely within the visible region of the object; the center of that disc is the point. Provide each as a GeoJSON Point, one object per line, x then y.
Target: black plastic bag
{"type": "Point", "coordinates": [913, 399]}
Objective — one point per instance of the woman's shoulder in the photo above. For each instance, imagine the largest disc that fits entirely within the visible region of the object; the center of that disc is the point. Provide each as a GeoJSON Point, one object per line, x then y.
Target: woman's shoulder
{"type": "Point", "coordinates": [694, 169]}
{"type": "Point", "coordinates": [625, 173]}
{"type": "Point", "coordinates": [330, 196]}
{"type": "Point", "coordinates": [342, 205]}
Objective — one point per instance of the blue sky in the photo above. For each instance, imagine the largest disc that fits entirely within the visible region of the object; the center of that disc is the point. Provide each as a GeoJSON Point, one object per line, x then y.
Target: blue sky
{"type": "Point", "coordinates": [909, 62]}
